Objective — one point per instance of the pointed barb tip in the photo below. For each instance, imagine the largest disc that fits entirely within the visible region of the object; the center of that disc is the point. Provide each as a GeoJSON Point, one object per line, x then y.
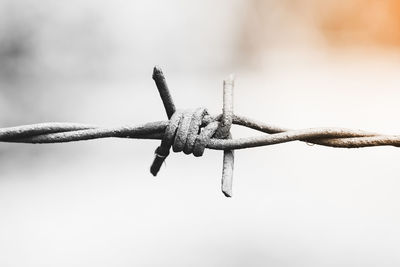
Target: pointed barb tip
{"type": "Point", "coordinates": [227, 194]}
{"type": "Point", "coordinates": [157, 71]}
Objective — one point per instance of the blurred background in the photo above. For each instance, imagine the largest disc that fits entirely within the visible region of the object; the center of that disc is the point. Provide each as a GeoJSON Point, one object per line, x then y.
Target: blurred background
{"type": "Point", "coordinates": [298, 64]}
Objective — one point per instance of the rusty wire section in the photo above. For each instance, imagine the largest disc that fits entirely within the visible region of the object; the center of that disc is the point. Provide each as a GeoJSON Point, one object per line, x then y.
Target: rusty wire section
{"type": "Point", "coordinates": [192, 131]}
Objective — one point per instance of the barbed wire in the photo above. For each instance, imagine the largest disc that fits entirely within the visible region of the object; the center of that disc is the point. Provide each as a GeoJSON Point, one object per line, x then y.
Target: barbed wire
{"type": "Point", "coordinates": [191, 131]}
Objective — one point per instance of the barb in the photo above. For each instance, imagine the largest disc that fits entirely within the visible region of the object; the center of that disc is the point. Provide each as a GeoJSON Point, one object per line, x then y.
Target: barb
{"type": "Point", "coordinates": [162, 151]}
{"type": "Point", "coordinates": [158, 77]}
{"type": "Point", "coordinates": [191, 131]}
{"type": "Point", "coordinates": [224, 132]}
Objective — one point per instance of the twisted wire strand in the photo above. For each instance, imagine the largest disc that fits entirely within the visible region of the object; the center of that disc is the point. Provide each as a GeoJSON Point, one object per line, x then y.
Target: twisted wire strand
{"type": "Point", "coordinates": [56, 132]}
{"type": "Point", "coordinates": [191, 131]}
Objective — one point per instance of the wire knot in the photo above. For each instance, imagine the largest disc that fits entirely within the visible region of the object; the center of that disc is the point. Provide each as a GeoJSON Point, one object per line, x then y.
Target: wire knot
{"type": "Point", "coordinates": [190, 131]}
{"type": "Point", "coordinates": [187, 131]}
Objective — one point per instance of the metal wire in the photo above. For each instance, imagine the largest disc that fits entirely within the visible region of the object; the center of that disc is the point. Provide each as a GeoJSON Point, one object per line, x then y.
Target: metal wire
{"type": "Point", "coordinates": [56, 132]}
{"type": "Point", "coordinates": [193, 131]}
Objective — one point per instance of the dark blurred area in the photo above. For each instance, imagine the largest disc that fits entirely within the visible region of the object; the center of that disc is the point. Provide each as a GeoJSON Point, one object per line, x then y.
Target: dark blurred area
{"type": "Point", "coordinates": [18, 53]}
{"type": "Point", "coordinates": [44, 50]}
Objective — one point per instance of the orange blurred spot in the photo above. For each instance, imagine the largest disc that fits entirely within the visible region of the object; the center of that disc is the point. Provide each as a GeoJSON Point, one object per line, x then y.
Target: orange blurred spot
{"type": "Point", "coordinates": [374, 22]}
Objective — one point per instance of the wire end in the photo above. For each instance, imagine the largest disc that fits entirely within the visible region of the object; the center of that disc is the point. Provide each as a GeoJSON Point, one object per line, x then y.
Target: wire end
{"type": "Point", "coordinates": [157, 72]}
